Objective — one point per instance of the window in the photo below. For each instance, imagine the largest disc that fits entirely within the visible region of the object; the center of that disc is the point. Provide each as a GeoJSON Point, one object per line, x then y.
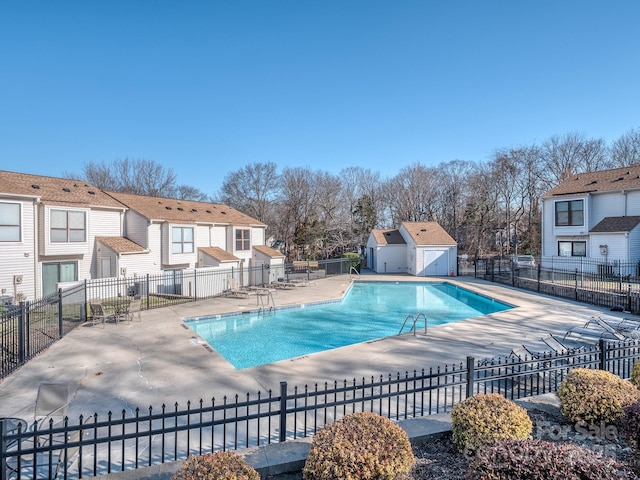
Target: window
{"type": "Point", "coordinates": [242, 240]}
{"type": "Point", "coordinates": [68, 226]}
{"type": "Point", "coordinates": [572, 249]}
{"type": "Point", "coordinates": [569, 213]}
{"type": "Point", "coordinates": [182, 240]}
{"type": "Point", "coordinates": [9, 222]}
{"type": "Point", "coordinates": [54, 273]}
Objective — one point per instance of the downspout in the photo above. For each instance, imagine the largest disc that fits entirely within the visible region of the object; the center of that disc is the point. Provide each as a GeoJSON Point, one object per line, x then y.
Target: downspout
{"type": "Point", "coordinates": [37, 280]}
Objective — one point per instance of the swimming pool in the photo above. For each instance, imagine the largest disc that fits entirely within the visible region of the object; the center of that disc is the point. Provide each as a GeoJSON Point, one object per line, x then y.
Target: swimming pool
{"type": "Point", "coordinates": [369, 310]}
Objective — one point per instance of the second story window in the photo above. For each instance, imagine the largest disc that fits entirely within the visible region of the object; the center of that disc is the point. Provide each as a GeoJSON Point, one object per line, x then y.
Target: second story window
{"type": "Point", "coordinates": [182, 240]}
{"type": "Point", "coordinates": [9, 222]}
{"type": "Point", "coordinates": [242, 240]}
{"type": "Point", "coordinates": [570, 213]}
{"type": "Point", "coordinates": [68, 226]}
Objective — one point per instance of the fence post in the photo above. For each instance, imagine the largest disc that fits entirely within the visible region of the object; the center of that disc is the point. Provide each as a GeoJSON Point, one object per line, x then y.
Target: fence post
{"type": "Point", "coordinates": [629, 298]}
{"type": "Point", "coordinates": [602, 344]}
{"type": "Point", "coordinates": [575, 284]}
{"type": "Point", "coordinates": [22, 316]}
{"type": "Point", "coordinates": [539, 272]}
{"type": "Point", "coordinates": [283, 411]}
{"type": "Point", "coordinates": [59, 313]}
{"type": "Point", "coordinates": [3, 449]}
{"type": "Point", "coordinates": [148, 290]}
{"type": "Point", "coordinates": [470, 376]}
{"type": "Point", "coordinates": [195, 284]}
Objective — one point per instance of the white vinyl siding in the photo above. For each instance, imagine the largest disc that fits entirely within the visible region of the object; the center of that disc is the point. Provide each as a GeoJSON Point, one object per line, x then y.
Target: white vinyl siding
{"type": "Point", "coordinates": [219, 237]}
{"type": "Point", "coordinates": [18, 258]}
{"type": "Point", "coordinates": [54, 248]}
{"type": "Point", "coordinates": [632, 203]}
{"type": "Point", "coordinates": [611, 204]}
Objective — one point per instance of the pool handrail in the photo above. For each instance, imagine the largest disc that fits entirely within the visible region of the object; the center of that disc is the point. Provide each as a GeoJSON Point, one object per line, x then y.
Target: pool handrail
{"type": "Point", "coordinates": [414, 321]}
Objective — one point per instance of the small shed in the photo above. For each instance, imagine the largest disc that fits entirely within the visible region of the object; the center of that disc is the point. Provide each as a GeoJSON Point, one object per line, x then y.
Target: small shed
{"type": "Point", "coordinates": [418, 248]}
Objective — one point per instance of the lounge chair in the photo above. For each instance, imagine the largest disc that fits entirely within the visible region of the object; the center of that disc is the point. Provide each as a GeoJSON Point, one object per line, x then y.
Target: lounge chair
{"type": "Point", "coordinates": [556, 345]}
{"type": "Point", "coordinates": [613, 331]}
{"type": "Point", "coordinates": [523, 353]}
{"type": "Point", "coordinates": [234, 290]}
{"type": "Point", "coordinates": [284, 285]}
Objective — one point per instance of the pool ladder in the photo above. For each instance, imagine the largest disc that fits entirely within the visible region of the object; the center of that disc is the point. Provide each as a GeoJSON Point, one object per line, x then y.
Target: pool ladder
{"type": "Point", "coordinates": [270, 306]}
{"type": "Point", "coordinates": [413, 322]}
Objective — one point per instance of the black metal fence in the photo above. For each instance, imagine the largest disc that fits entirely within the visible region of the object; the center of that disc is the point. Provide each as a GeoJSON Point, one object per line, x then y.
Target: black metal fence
{"type": "Point", "coordinates": [101, 444]}
{"type": "Point", "coordinates": [31, 327]}
{"type": "Point", "coordinates": [613, 284]}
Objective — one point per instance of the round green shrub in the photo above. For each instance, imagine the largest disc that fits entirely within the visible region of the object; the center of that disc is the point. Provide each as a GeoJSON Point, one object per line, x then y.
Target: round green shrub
{"type": "Point", "coordinates": [595, 396]}
{"type": "Point", "coordinates": [539, 459]}
{"type": "Point", "coordinates": [213, 466]}
{"type": "Point", "coordinates": [486, 418]}
{"type": "Point", "coordinates": [635, 374]}
{"type": "Point", "coordinates": [359, 446]}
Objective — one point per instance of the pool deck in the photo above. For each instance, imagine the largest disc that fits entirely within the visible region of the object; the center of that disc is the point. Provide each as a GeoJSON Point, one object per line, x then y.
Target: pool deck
{"type": "Point", "coordinates": [159, 360]}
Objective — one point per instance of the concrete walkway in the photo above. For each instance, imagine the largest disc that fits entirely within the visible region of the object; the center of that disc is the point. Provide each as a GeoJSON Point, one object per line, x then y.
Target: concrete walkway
{"type": "Point", "coordinates": [160, 361]}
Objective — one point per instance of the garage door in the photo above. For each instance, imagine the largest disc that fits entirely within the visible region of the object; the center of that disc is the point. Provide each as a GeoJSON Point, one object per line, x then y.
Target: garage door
{"type": "Point", "coordinates": [435, 262]}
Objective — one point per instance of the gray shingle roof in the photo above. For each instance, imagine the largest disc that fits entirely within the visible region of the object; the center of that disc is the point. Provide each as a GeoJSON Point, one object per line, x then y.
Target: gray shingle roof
{"type": "Point", "coordinates": [616, 224]}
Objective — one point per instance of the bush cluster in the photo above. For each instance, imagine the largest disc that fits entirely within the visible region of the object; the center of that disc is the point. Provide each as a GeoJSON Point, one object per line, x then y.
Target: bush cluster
{"type": "Point", "coordinates": [359, 446]}
{"type": "Point", "coordinates": [486, 418]}
{"type": "Point", "coordinates": [532, 459]}
{"type": "Point", "coordinates": [595, 396]}
{"type": "Point", "coordinates": [216, 465]}
{"type": "Point", "coordinates": [630, 426]}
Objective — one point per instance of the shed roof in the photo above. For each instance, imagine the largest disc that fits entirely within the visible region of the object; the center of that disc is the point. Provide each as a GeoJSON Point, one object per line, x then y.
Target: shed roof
{"type": "Point", "coordinates": [219, 254]}
{"type": "Point", "coordinates": [616, 224]}
{"type": "Point", "coordinates": [428, 233]}
{"type": "Point", "coordinates": [121, 244]}
{"type": "Point", "coordinates": [56, 191]}
{"type": "Point", "coordinates": [388, 236]}
{"type": "Point", "coordinates": [184, 211]}
{"type": "Point", "coordinates": [268, 251]}
{"type": "Point", "coordinates": [624, 178]}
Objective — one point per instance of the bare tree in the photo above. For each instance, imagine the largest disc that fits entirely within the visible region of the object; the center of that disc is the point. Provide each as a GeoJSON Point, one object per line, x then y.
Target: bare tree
{"type": "Point", "coordinates": [411, 194]}
{"type": "Point", "coordinates": [137, 176]}
{"type": "Point", "coordinates": [185, 192]}
{"type": "Point", "coordinates": [252, 190]}
{"type": "Point", "coordinates": [569, 154]}
{"type": "Point", "coordinates": [625, 150]}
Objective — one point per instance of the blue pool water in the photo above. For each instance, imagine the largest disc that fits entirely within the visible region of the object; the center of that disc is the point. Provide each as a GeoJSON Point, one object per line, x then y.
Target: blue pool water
{"type": "Point", "coordinates": [370, 310]}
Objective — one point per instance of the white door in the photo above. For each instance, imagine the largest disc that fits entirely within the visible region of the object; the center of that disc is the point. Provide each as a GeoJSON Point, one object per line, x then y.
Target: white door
{"type": "Point", "coordinates": [105, 267]}
{"type": "Point", "coordinates": [435, 262]}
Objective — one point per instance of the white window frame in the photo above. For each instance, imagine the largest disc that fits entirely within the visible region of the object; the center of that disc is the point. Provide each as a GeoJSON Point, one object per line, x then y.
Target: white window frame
{"type": "Point", "coordinates": [7, 217]}
{"type": "Point", "coordinates": [243, 239]}
{"type": "Point", "coordinates": [68, 233]}
{"type": "Point", "coordinates": [182, 245]}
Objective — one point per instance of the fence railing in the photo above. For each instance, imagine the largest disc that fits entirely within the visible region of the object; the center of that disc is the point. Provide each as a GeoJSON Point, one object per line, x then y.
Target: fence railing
{"type": "Point", "coordinates": [31, 327]}
{"type": "Point", "coordinates": [101, 444]}
{"type": "Point", "coordinates": [612, 285]}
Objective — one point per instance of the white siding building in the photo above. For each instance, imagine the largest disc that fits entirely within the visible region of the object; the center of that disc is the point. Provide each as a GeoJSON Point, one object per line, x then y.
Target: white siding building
{"type": "Point", "coordinates": [418, 248]}
{"type": "Point", "coordinates": [593, 215]}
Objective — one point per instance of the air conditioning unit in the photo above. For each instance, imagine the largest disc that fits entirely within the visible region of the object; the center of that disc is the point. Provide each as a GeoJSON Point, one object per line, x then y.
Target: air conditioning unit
{"type": "Point", "coordinates": [17, 279]}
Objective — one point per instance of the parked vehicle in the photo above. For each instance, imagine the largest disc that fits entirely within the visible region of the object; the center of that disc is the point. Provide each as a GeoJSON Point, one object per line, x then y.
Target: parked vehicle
{"type": "Point", "coordinates": [524, 260]}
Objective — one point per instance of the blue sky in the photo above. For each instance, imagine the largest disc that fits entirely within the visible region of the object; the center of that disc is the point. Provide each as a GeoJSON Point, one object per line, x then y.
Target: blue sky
{"type": "Point", "coordinates": [206, 87]}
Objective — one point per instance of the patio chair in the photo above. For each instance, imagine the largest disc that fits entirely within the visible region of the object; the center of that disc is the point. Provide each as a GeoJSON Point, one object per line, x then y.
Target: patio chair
{"type": "Point", "coordinates": [51, 404]}
{"type": "Point", "coordinates": [99, 315]}
{"type": "Point", "coordinates": [135, 307]}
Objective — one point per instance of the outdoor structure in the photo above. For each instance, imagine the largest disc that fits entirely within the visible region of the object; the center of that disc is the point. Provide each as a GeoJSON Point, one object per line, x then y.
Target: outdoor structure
{"type": "Point", "coordinates": [48, 228]}
{"type": "Point", "coordinates": [56, 232]}
{"type": "Point", "coordinates": [594, 215]}
{"type": "Point", "coordinates": [418, 248]}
